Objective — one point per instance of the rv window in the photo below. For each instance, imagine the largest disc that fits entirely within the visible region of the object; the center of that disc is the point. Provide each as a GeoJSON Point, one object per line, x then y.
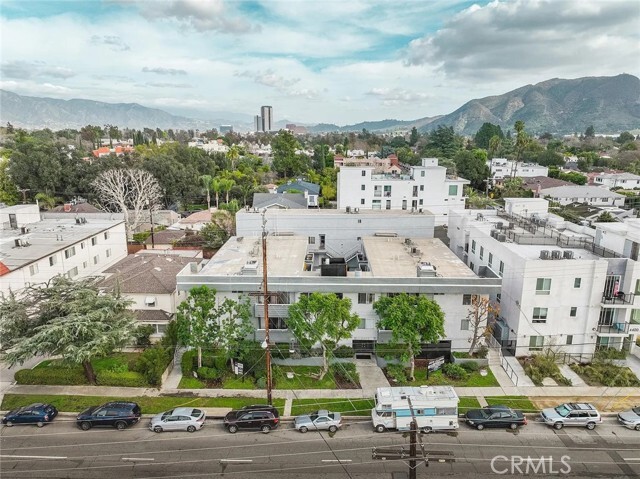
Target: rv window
{"type": "Point", "coordinates": [386, 414]}
{"type": "Point", "coordinates": [419, 412]}
{"type": "Point", "coordinates": [430, 411]}
{"type": "Point", "coordinates": [446, 411]}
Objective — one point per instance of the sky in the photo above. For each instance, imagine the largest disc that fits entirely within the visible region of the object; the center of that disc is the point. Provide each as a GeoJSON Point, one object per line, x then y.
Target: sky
{"type": "Point", "coordinates": [314, 61]}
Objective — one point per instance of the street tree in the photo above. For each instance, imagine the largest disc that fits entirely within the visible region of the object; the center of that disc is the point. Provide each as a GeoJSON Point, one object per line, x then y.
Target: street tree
{"type": "Point", "coordinates": [322, 319]}
{"type": "Point", "coordinates": [128, 191]}
{"type": "Point", "coordinates": [235, 325]}
{"type": "Point", "coordinates": [481, 310]}
{"type": "Point", "coordinates": [472, 165]}
{"type": "Point", "coordinates": [412, 320]}
{"type": "Point", "coordinates": [67, 318]}
{"type": "Point", "coordinates": [486, 132]}
{"type": "Point", "coordinates": [414, 136]}
{"type": "Point", "coordinates": [219, 230]}
{"type": "Point", "coordinates": [197, 320]}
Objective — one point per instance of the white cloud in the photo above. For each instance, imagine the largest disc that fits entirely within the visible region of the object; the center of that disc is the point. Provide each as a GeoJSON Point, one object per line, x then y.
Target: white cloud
{"type": "Point", "coordinates": [397, 96]}
{"type": "Point", "coordinates": [164, 71]}
{"type": "Point", "coordinates": [113, 41]}
{"type": "Point", "coordinates": [24, 70]}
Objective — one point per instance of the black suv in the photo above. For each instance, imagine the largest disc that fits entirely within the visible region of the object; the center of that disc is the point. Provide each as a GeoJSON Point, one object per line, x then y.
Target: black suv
{"type": "Point", "coordinates": [116, 414]}
{"type": "Point", "coordinates": [260, 417]}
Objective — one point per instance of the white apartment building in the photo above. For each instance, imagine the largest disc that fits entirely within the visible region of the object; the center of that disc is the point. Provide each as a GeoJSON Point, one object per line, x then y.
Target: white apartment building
{"type": "Point", "coordinates": [213, 146]}
{"type": "Point", "coordinates": [388, 265]}
{"type": "Point", "coordinates": [422, 188]}
{"type": "Point", "coordinates": [337, 233]}
{"type": "Point", "coordinates": [612, 180]}
{"type": "Point", "coordinates": [33, 251]}
{"type": "Point", "coordinates": [502, 168]}
{"type": "Point", "coordinates": [591, 195]}
{"type": "Point", "coordinates": [560, 290]}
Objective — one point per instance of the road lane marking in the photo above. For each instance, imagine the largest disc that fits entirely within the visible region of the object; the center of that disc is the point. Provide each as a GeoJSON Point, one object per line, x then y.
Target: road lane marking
{"type": "Point", "coordinates": [137, 459]}
{"type": "Point", "coordinates": [33, 457]}
{"type": "Point", "coordinates": [337, 460]}
{"type": "Point", "coordinates": [236, 460]}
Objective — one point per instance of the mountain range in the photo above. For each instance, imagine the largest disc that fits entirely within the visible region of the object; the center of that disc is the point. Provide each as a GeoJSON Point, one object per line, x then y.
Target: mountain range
{"type": "Point", "coordinates": [610, 104]}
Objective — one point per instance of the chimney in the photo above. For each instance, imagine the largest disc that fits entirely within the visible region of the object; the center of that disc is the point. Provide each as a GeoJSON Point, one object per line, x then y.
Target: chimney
{"type": "Point", "coordinates": [538, 189]}
{"type": "Point", "coordinates": [394, 160]}
{"type": "Point", "coordinates": [67, 207]}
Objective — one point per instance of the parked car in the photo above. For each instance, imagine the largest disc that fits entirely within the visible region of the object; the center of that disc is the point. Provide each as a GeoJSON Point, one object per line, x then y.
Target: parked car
{"type": "Point", "coordinates": [572, 414]}
{"type": "Point", "coordinates": [495, 416]}
{"type": "Point", "coordinates": [264, 418]}
{"type": "Point", "coordinates": [178, 419]}
{"type": "Point", "coordinates": [37, 413]}
{"type": "Point", "coordinates": [116, 414]}
{"type": "Point", "coordinates": [319, 420]}
{"type": "Point", "coordinates": [630, 418]}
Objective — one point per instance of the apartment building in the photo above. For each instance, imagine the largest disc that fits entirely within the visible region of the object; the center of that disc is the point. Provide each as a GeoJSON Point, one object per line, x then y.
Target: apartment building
{"type": "Point", "coordinates": [501, 168]}
{"type": "Point", "coordinates": [620, 180]}
{"type": "Point", "coordinates": [560, 288]}
{"type": "Point", "coordinates": [421, 188]}
{"type": "Point", "coordinates": [33, 251]}
{"type": "Point", "coordinates": [591, 195]}
{"type": "Point", "coordinates": [388, 265]}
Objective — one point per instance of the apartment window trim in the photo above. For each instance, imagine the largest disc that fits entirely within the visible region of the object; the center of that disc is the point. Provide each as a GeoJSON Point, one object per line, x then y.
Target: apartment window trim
{"type": "Point", "coordinates": [577, 282]}
{"type": "Point", "coordinates": [465, 325]}
{"type": "Point", "coordinates": [539, 315]}
{"type": "Point", "coordinates": [536, 343]}
{"type": "Point", "coordinates": [543, 286]}
{"type": "Point", "coordinates": [573, 312]}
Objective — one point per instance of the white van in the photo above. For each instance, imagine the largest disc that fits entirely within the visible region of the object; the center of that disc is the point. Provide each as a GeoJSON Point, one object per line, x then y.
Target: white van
{"type": "Point", "coordinates": [435, 408]}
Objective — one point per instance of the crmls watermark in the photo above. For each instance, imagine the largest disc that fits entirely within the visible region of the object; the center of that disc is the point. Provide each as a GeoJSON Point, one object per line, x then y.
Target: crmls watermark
{"type": "Point", "coordinates": [530, 465]}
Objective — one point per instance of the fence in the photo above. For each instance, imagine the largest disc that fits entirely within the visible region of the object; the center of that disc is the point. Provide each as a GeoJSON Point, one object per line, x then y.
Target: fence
{"type": "Point", "coordinates": [495, 345]}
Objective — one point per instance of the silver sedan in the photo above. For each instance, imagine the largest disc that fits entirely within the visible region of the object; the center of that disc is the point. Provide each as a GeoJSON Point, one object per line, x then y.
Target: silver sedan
{"type": "Point", "coordinates": [630, 418]}
{"type": "Point", "coordinates": [178, 419]}
{"type": "Point", "coordinates": [319, 420]}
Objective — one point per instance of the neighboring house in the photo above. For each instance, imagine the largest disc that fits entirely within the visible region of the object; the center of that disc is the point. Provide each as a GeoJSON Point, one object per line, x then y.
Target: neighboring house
{"type": "Point", "coordinates": [590, 214]}
{"type": "Point", "coordinates": [33, 251]}
{"type": "Point", "coordinates": [310, 190]}
{"type": "Point", "coordinates": [213, 146]}
{"type": "Point", "coordinates": [388, 265]}
{"type": "Point", "coordinates": [76, 208]}
{"type": "Point", "coordinates": [538, 183]}
{"type": "Point", "coordinates": [116, 150]}
{"type": "Point", "coordinates": [149, 280]}
{"type": "Point", "coordinates": [195, 221]}
{"type": "Point", "coordinates": [164, 239]}
{"type": "Point", "coordinates": [279, 200]}
{"type": "Point", "coordinates": [337, 233]}
{"type": "Point", "coordinates": [501, 168]}
{"type": "Point", "coordinates": [422, 188]}
{"type": "Point", "coordinates": [559, 289]}
{"type": "Point", "coordinates": [592, 195]}
{"type": "Point", "coordinates": [620, 180]}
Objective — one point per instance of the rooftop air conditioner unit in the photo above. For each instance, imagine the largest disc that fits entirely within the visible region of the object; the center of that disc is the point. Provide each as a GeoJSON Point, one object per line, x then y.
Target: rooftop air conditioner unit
{"type": "Point", "coordinates": [479, 217]}
{"type": "Point", "coordinates": [544, 254]}
{"type": "Point", "coordinates": [567, 254]}
{"type": "Point", "coordinates": [494, 233]}
{"type": "Point", "coordinates": [499, 225]}
{"type": "Point", "coordinates": [502, 238]}
{"type": "Point", "coordinates": [420, 210]}
{"type": "Point", "coordinates": [511, 225]}
{"type": "Point", "coordinates": [407, 241]}
{"type": "Point", "coordinates": [556, 254]}
{"type": "Point", "coordinates": [348, 209]}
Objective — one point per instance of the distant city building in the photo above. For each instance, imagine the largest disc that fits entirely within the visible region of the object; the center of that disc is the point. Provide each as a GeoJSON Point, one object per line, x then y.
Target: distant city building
{"type": "Point", "coordinates": [226, 129]}
{"type": "Point", "coordinates": [257, 123]}
{"type": "Point", "coordinates": [295, 129]}
{"type": "Point", "coordinates": [267, 118]}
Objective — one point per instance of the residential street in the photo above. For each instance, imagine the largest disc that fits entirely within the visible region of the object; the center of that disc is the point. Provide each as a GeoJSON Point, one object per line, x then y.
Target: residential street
{"type": "Point", "coordinates": [61, 450]}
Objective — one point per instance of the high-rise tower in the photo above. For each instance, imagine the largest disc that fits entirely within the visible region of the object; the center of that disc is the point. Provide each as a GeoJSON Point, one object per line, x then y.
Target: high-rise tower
{"type": "Point", "coordinates": [267, 118]}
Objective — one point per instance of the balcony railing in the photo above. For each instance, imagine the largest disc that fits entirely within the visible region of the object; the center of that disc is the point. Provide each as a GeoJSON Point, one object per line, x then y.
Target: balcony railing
{"type": "Point", "coordinates": [275, 310]}
{"type": "Point", "coordinates": [619, 298]}
{"type": "Point", "coordinates": [614, 328]}
{"type": "Point", "coordinates": [377, 194]}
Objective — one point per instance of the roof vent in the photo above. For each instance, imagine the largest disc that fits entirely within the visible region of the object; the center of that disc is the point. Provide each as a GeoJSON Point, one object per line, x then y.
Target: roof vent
{"type": "Point", "coordinates": [425, 269]}
{"type": "Point", "coordinates": [250, 267]}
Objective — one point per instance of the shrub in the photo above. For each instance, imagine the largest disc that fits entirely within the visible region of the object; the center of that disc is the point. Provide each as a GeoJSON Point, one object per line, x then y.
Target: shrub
{"type": "Point", "coordinates": [261, 382]}
{"type": "Point", "coordinates": [460, 354]}
{"type": "Point", "coordinates": [482, 352]}
{"type": "Point", "coordinates": [607, 354]}
{"type": "Point", "coordinates": [152, 364]}
{"type": "Point", "coordinates": [253, 362]}
{"type": "Point", "coordinates": [188, 362]}
{"type": "Point", "coordinates": [541, 366]}
{"type": "Point", "coordinates": [397, 372]}
{"type": "Point", "coordinates": [51, 376]}
{"type": "Point", "coordinates": [131, 379]}
{"type": "Point", "coordinates": [607, 374]}
{"type": "Point", "coordinates": [211, 374]}
{"type": "Point", "coordinates": [470, 366]}
{"type": "Point", "coordinates": [345, 371]}
{"type": "Point", "coordinates": [142, 335]}
{"type": "Point", "coordinates": [454, 371]}
{"type": "Point", "coordinates": [281, 351]}
{"type": "Point", "coordinates": [215, 360]}
{"type": "Point", "coordinates": [170, 337]}
{"type": "Point", "coordinates": [343, 352]}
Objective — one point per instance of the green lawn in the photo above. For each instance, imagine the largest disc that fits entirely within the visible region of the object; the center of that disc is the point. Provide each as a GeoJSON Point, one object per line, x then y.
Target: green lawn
{"type": "Point", "coordinates": [467, 403]}
{"type": "Point", "coordinates": [515, 402]}
{"type": "Point", "coordinates": [125, 361]}
{"type": "Point", "coordinates": [190, 383]}
{"type": "Point", "coordinates": [235, 382]}
{"type": "Point", "coordinates": [437, 378]}
{"type": "Point", "coordinates": [149, 405]}
{"type": "Point", "coordinates": [302, 379]}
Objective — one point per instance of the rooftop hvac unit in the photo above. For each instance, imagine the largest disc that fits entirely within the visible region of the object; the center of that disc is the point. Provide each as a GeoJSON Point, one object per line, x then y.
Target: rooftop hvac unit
{"type": "Point", "coordinates": [425, 269]}
{"type": "Point", "coordinates": [545, 254]}
{"type": "Point", "coordinates": [511, 225]}
{"type": "Point", "coordinates": [348, 209]}
{"type": "Point", "coordinates": [499, 225]}
{"type": "Point", "coordinates": [494, 233]}
{"type": "Point", "coordinates": [407, 241]}
{"type": "Point", "coordinates": [419, 210]}
{"type": "Point", "coordinates": [479, 216]}
{"type": "Point", "coordinates": [356, 210]}
{"type": "Point", "coordinates": [416, 251]}
{"type": "Point", "coordinates": [556, 254]}
{"type": "Point", "coordinates": [502, 238]}
{"type": "Point", "coordinates": [567, 254]}
{"type": "Point", "coordinates": [250, 267]}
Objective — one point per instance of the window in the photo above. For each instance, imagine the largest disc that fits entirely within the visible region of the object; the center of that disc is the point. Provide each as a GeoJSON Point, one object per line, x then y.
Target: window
{"type": "Point", "coordinates": [277, 323]}
{"type": "Point", "coordinates": [577, 282]}
{"type": "Point", "coordinates": [501, 269]}
{"type": "Point", "coordinates": [33, 269]}
{"type": "Point", "coordinates": [472, 266]}
{"type": "Point", "coordinates": [498, 297]}
{"type": "Point", "coordinates": [466, 299]}
{"type": "Point", "coordinates": [464, 325]}
{"type": "Point", "coordinates": [536, 343]}
{"type": "Point", "coordinates": [543, 285]}
{"type": "Point", "coordinates": [569, 338]}
{"type": "Point", "coordinates": [573, 312]}
{"type": "Point", "coordinates": [82, 245]}
{"type": "Point", "coordinates": [68, 253]}
{"type": "Point", "coordinates": [637, 290]}
{"type": "Point", "coordinates": [106, 235]}
{"type": "Point", "coordinates": [359, 221]}
{"type": "Point", "coordinates": [109, 253]}
{"type": "Point", "coordinates": [421, 202]}
{"type": "Point", "coordinates": [481, 252]}
{"type": "Point", "coordinates": [96, 259]}
{"type": "Point", "coordinates": [490, 259]}
{"type": "Point", "coordinates": [363, 187]}
{"type": "Point", "coordinates": [453, 190]}
{"type": "Point", "coordinates": [339, 295]}
{"type": "Point", "coordinates": [85, 264]}
{"type": "Point", "coordinates": [312, 240]}
{"type": "Point", "coordinates": [421, 187]}
{"type": "Point", "coordinates": [362, 201]}
{"type": "Point", "coordinates": [415, 190]}
{"type": "Point", "coordinates": [364, 172]}
{"type": "Point", "coordinates": [388, 204]}
{"type": "Point", "coordinates": [365, 298]}
{"type": "Point", "coordinates": [422, 173]}
{"type": "Point", "coordinates": [73, 272]}
{"type": "Point", "coordinates": [540, 315]}
{"type": "Point", "coordinates": [53, 260]}
{"type": "Point", "coordinates": [376, 205]}
{"type": "Point", "coordinates": [94, 241]}
{"type": "Point", "coordinates": [473, 246]}
{"type": "Point", "coordinates": [150, 301]}
{"type": "Point", "coordinates": [363, 324]}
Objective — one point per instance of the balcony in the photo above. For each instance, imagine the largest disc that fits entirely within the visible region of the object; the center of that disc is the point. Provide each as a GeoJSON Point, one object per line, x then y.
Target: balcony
{"type": "Point", "coordinates": [613, 328]}
{"type": "Point", "coordinates": [377, 194]}
{"type": "Point", "coordinates": [275, 310]}
{"type": "Point", "coordinates": [620, 299]}
{"type": "Point", "coordinates": [387, 194]}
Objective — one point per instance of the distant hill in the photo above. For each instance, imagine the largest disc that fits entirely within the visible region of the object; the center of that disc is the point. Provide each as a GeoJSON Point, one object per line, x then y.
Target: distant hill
{"type": "Point", "coordinates": [35, 112]}
{"type": "Point", "coordinates": [374, 126]}
{"type": "Point", "coordinates": [610, 104]}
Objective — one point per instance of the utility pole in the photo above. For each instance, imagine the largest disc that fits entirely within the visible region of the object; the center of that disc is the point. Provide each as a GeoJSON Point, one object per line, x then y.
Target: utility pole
{"type": "Point", "coordinates": [153, 245]}
{"type": "Point", "coordinates": [412, 449]}
{"type": "Point", "coordinates": [265, 295]}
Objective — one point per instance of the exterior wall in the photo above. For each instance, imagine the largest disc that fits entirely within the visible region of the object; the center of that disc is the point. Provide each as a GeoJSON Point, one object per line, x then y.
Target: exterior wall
{"type": "Point", "coordinates": [83, 259]}
{"type": "Point", "coordinates": [502, 168]}
{"type": "Point", "coordinates": [589, 201]}
{"type": "Point", "coordinates": [526, 206]}
{"type": "Point", "coordinates": [24, 214]}
{"type": "Point", "coordinates": [425, 188]}
{"type": "Point", "coordinates": [612, 182]}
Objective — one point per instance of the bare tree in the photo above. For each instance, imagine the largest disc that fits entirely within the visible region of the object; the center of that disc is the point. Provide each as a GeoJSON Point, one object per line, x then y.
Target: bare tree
{"type": "Point", "coordinates": [481, 310]}
{"type": "Point", "coordinates": [129, 192]}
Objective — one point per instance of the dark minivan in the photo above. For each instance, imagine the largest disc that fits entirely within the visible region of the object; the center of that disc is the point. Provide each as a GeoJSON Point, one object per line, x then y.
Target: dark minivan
{"type": "Point", "coordinates": [264, 418]}
{"type": "Point", "coordinates": [115, 414]}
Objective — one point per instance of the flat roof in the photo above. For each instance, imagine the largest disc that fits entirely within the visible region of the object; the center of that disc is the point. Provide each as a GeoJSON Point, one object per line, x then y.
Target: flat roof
{"type": "Point", "coordinates": [331, 212]}
{"type": "Point", "coordinates": [47, 237]}
{"type": "Point", "coordinates": [392, 257]}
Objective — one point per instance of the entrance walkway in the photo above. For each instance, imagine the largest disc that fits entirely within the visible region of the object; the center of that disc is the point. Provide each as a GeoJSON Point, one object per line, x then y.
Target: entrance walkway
{"type": "Point", "coordinates": [568, 373]}
{"type": "Point", "coordinates": [175, 375]}
{"type": "Point", "coordinates": [371, 376]}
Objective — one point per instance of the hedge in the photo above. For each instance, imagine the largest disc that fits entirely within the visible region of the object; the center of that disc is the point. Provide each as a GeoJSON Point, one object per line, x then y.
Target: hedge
{"type": "Point", "coordinates": [129, 379]}
{"type": "Point", "coordinates": [51, 376]}
{"type": "Point", "coordinates": [188, 362]}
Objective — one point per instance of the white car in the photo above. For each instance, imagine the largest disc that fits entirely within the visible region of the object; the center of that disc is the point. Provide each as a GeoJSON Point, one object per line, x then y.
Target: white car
{"type": "Point", "coordinates": [178, 419]}
{"type": "Point", "coordinates": [630, 418]}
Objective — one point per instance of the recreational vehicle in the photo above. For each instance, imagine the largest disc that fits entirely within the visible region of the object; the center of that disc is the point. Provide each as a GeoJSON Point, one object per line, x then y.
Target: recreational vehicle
{"type": "Point", "coordinates": [434, 407]}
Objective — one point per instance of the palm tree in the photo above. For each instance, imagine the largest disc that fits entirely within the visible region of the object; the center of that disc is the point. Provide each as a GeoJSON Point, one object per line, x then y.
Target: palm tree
{"type": "Point", "coordinates": [216, 187]}
{"type": "Point", "coordinates": [225, 185]}
{"type": "Point", "coordinates": [206, 181]}
{"type": "Point", "coordinates": [233, 154]}
{"type": "Point", "coordinates": [494, 145]}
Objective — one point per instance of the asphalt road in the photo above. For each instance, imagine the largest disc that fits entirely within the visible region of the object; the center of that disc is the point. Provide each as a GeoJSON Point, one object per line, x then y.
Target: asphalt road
{"type": "Point", "coordinates": [60, 450]}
